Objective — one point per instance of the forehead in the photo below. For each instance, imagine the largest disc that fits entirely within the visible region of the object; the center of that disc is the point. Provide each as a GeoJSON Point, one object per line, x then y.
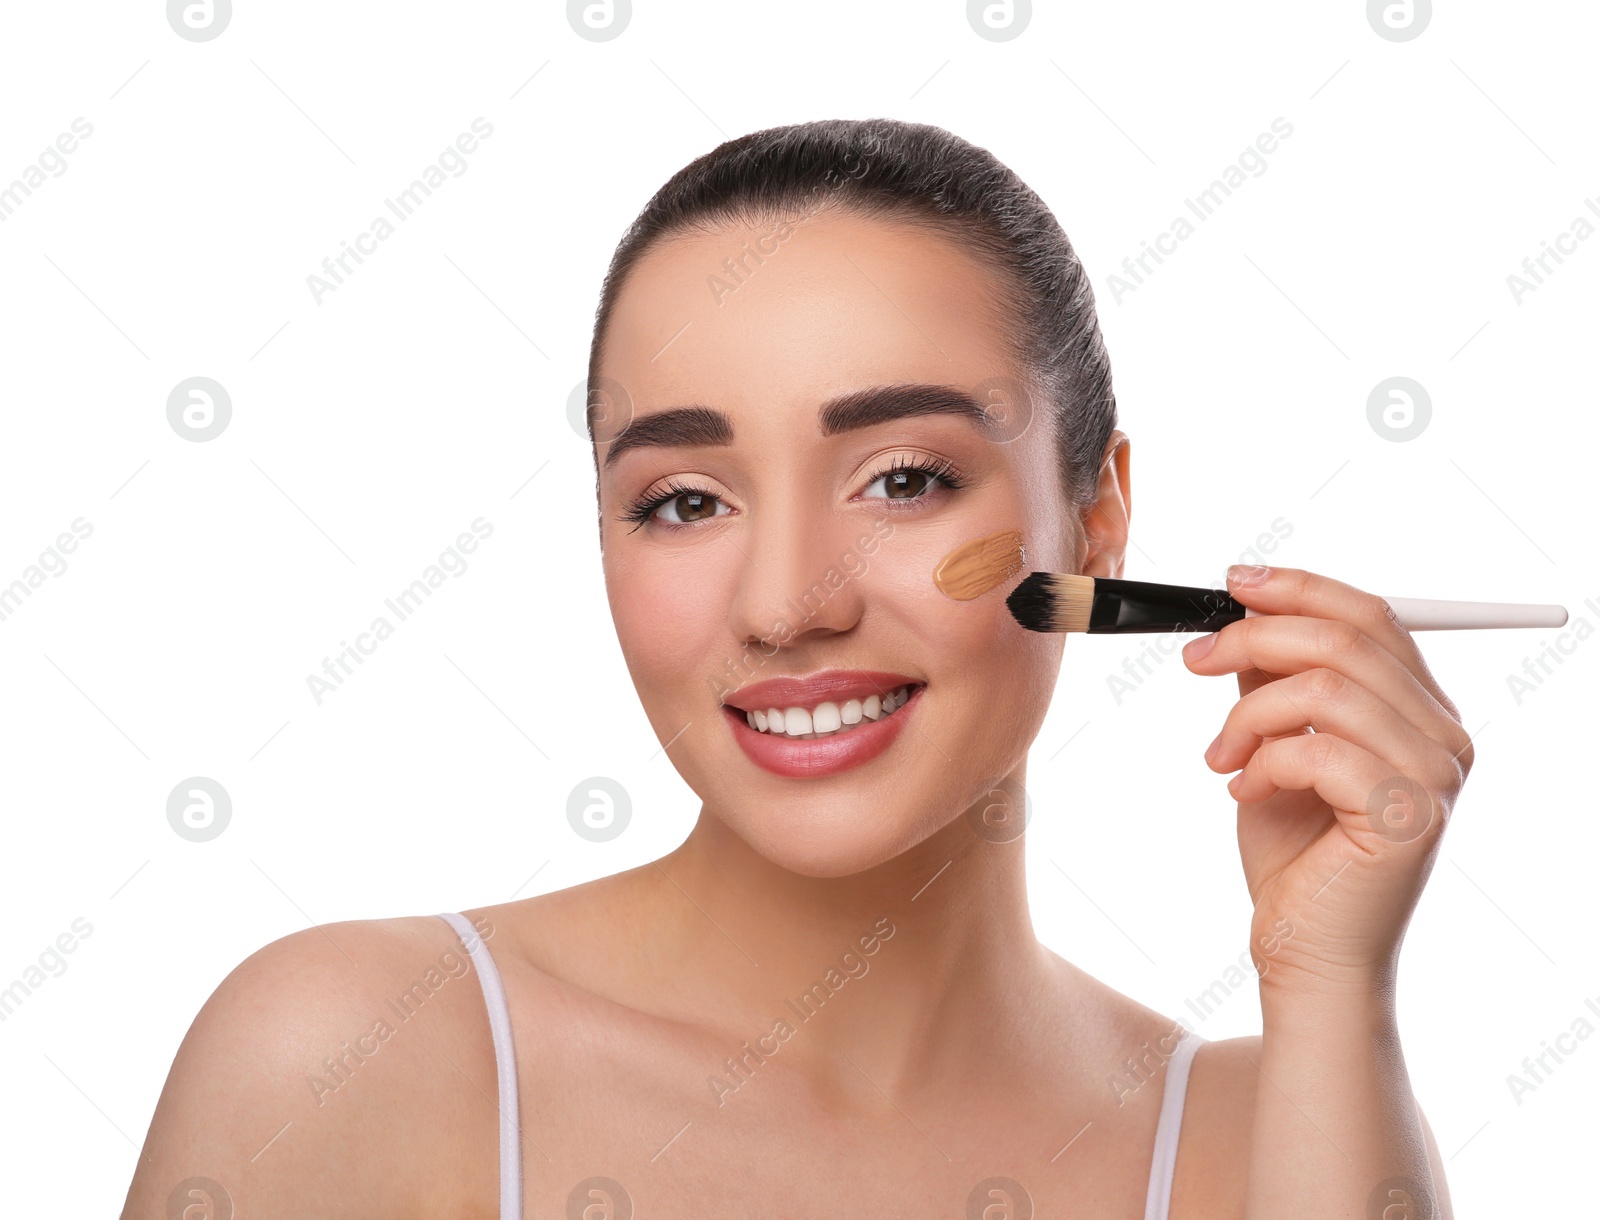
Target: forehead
{"type": "Point", "coordinates": [755, 317]}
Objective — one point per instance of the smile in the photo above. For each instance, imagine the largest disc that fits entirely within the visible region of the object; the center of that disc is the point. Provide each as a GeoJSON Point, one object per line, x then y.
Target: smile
{"type": "Point", "coordinates": [827, 717]}
{"type": "Point", "coordinates": [809, 728]}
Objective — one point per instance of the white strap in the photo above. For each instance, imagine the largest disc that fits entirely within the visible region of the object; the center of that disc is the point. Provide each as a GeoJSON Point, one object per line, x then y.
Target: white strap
{"type": "Point", "coordinates": [1167, 1126]}
{"type": "Point", "coordinates": [505, 1062]}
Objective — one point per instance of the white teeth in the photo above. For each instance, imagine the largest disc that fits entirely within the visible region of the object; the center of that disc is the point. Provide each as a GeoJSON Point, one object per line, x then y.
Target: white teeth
{"type": "Point", "coordinates": [804, 724]}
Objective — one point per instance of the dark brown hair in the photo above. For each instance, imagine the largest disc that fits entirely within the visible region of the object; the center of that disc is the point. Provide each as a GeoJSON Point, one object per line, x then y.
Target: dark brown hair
{"type": "Point", "coordinates": [919, 174]}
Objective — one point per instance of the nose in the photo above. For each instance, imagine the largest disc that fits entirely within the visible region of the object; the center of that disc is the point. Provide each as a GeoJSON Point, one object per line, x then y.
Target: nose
{"type": "Point", "coordinates": [801, 578]}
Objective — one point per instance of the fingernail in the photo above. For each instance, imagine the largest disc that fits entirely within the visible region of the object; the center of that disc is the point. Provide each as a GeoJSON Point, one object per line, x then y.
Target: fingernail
{"type": "Point", "coordinates": [1195, 649]}
{"type": "Point", "coordinates": [1212, 748]}
{"type": "Point", "coordinates": [1233, 784]}
{"type": "Point", "coordinates": [1248, 574]}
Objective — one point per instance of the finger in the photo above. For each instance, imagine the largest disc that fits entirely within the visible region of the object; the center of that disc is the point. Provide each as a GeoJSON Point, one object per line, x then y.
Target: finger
{"type": "Point", "coordinates": [1284, 643]}
{"type": "Point", "coordinates": [1296, 591]}
{"type": "Point", "coordinates": [1253, 680]}
{"type": "Point", "coordinates": [1328, 702]}
{"type": "Point", "coordinates": [1371, 800]}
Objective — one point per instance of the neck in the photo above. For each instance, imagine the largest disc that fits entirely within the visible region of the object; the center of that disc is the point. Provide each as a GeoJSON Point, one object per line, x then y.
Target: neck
{"type": "Point", "coordinates": [927, 959]}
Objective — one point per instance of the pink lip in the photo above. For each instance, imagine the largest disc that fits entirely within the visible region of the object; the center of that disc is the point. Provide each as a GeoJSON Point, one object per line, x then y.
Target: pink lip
{"type": "Point", "coordinates": [828, 684]}
{"type": "Point", "coordinates": [820, 756]}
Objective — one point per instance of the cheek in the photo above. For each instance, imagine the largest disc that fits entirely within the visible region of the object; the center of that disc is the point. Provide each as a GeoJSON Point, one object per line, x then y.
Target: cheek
{"type": "Point", "coordinates": [975, 644]}
{"type": "Point", "coordinates": [1007, 673]}
{"type": "Point", "coordinates": [670, 609]}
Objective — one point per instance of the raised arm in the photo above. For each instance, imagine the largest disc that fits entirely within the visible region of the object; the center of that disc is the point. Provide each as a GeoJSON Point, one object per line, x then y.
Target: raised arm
{"type": "Point", "coordinates": [1350, 759]}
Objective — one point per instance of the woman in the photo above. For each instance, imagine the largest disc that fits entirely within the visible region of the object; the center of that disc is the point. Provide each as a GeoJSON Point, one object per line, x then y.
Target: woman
{"type": "Point", "coordinates": [825, 356]}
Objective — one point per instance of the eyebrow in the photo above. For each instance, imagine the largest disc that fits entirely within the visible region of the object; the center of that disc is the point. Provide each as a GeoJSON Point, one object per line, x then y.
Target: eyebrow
{"type": "Point", "coordinates": [866, 408]}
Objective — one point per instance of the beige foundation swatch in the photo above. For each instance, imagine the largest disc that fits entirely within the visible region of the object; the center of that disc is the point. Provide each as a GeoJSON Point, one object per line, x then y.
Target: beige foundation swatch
{"type": "Point", "coordinates": [976, 567]}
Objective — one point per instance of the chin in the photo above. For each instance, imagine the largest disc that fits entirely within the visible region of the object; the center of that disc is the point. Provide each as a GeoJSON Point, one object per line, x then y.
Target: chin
{"type": "Point", "coordinates": [823, 841]}
{"type": "Point", "coordinates": [842, 803]}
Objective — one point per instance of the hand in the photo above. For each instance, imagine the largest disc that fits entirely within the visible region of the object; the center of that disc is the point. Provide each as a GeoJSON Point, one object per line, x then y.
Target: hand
{"type": "Point", "coordinates": [1351, 757]}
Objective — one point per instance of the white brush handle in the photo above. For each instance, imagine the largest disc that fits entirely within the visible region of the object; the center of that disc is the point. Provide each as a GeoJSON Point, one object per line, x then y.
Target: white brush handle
{"type": "Point", "coordinates": [1425, 614]}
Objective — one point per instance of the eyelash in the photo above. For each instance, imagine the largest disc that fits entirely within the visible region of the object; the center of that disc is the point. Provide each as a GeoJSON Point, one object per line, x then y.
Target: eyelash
{"type": "Point", "coordinates": [940, 468]}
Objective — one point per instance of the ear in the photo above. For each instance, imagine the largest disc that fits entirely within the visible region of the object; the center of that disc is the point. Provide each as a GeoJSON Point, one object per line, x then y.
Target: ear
{"type": "Point", "coordinates": [1105, 522]}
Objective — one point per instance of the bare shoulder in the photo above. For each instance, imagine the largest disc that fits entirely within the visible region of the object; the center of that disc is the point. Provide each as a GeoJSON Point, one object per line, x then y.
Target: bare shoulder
{"type": "Point", "coordinates": [346, 1065]}
{"type": "Point", "coordinates": [1214, 1141]}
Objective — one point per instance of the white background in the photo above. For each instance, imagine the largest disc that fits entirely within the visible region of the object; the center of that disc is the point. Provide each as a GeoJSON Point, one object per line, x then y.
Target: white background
{"type": "Point", "coordinates": [431, 389]}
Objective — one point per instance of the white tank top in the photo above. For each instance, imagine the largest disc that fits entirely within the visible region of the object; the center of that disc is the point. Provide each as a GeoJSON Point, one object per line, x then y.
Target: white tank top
{"type": "Point", "coordinates": [1157, 1196]}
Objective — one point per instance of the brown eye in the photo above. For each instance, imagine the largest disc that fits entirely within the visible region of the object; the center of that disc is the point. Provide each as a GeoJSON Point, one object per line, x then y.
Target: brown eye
{"type": "Point", "coordinates": [693, 506]}
{"type": "Point", "coordinates": [912, 480]}
{"type": "Point", "coordinates": [905, 484]}
{"type": "Point", "coordinates": [680, 506]}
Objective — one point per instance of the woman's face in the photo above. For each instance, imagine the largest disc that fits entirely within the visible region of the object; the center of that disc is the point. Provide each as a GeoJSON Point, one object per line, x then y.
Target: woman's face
{"type": "Point", "coordinates": [790, 539]}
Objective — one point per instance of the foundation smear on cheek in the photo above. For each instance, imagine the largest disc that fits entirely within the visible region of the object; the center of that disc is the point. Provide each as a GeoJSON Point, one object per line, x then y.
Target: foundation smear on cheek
{"type": "Point", "coordinates": [976, 567]}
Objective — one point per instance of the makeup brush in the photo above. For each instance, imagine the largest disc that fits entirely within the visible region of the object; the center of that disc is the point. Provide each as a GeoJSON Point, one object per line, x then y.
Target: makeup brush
{"type": "Point", "coordinates": [1102, 605]}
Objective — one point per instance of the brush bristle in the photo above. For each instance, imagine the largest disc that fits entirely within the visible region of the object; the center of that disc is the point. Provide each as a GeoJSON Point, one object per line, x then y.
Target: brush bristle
{"type": "Point", "coordinates": [1053, 601]}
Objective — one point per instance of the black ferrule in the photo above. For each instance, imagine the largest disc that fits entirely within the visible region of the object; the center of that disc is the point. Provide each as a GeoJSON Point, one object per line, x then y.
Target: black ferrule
{"type": "Point", "coordinates": [1135, 605]}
